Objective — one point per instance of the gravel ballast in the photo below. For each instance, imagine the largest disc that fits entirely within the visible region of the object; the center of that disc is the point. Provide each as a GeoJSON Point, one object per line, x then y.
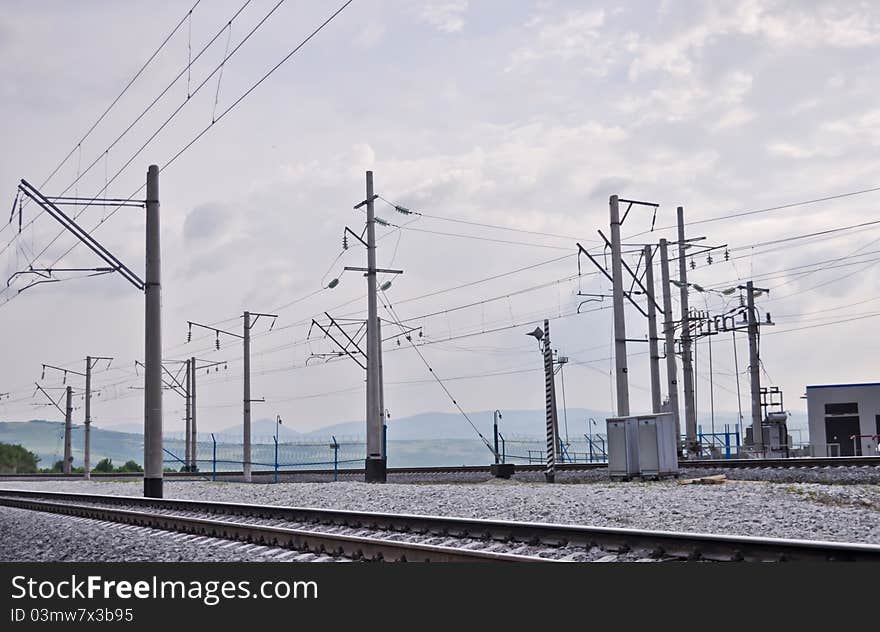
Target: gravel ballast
{"type": "Point", "coordinates": [849, 513]}
{"type": "Point", "coordinates": [33, 536]}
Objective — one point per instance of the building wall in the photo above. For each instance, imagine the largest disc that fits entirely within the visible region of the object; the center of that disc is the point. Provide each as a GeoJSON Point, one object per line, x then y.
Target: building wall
{"type": "Point", "coordinates": [867, 396]}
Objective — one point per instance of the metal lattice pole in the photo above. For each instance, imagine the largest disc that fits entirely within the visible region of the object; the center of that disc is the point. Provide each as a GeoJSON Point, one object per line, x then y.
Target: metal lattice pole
{"type": "Point", "coordinates": [550, 400]}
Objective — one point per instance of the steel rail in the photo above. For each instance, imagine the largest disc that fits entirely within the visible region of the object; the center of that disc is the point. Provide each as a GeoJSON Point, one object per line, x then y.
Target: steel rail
{"type": "Point", "coordinates": [356, 547]}
{"type": "Point", "coordinates": [658, 544]}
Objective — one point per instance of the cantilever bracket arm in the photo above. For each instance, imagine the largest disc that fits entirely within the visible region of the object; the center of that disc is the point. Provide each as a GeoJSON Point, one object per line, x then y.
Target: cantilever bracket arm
{"type": "Point", "coordinates": [54, 403]}
{"type": "Point", "coordinates": [81, 234]}
{"type": "Point", "coordinates": [633, 275]}
{"type": "Point", "coordinates": [608, 276]}
{"type": "Point", "coordinates": [355, 235]}
{"type": "Point", "coordinates": [341, 346]}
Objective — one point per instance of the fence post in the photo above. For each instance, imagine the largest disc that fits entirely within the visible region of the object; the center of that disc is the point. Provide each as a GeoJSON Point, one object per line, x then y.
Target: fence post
{"type": "Point", "coordinates": [214, 458]}
{"type": "Point", "coordinates": [276, 458]}
{"type": "Point", "coordinates": [503, 448]}
{"type": "Point", "coordinates": [727, 441]}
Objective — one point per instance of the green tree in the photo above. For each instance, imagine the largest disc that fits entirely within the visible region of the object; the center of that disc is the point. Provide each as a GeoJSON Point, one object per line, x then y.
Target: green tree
{"type": "Point", "coordinates": [57, 467]}
{"type": "Point", "coordinates": [130, 466]}
{"type": "Point", "coordinates": [104, 465]}
{"type": "Point", "coordinates": [16, 459]}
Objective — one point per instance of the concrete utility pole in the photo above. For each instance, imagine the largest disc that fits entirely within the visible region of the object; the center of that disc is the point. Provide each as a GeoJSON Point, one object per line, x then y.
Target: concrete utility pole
{"type": "Point", "coordinates": [246, 443]}
{"type": "Point", "coordinates": [68, 426]}
{"type": "Point", "coordinates": [91, 361]}
{"type": "Point", "coordinates": [382, 394]}
{"type": "Point", "coordinates": [187, 459]}
{"type": "Point", "coordinates": [245, 337]}
{"type": "Point", "coordinates": [652, 332]}
{"type": "Point", "coordinates": [153, 344]}
{"type": "Point", "coordinates": [550, 399]}
{"type": "Point", "coordinates": [621, 377]}
{"type": "Point", "coordinates": [754, 369]}
{"type": "Point", "coordinates": [690, 413]}
{"type": "Point", "coordinates": [193, 452]}
{"type": "Point", "coordinates": [669, 334]}
{"type": "Point", "coordinates": [376, 463]}
{"type": "Point", "coordinates": [87, 451]}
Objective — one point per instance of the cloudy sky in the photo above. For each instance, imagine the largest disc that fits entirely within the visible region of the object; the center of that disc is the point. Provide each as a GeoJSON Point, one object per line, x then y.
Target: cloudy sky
{"type": "Point", "coordinates": [482, 115]}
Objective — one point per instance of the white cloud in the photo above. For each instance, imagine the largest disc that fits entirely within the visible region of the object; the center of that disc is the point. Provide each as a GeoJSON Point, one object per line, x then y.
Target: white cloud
{"type": "Point", "coordinates": [577, 36]}
{"type": "Point", "coordinates": [372, 33]}
{"type": "Point", "coordinates": [446, 16]}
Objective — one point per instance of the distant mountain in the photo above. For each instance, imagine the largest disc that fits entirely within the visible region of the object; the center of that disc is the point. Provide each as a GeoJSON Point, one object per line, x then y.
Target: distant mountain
{"type": "Point", "coordinates": [46, 440]}
{"type": "Point", "coordinates": [424, 439]}
{"type": "Point", "coordinates": [427, 426]}
{"type": "Point", "coordinates": [133, 428]}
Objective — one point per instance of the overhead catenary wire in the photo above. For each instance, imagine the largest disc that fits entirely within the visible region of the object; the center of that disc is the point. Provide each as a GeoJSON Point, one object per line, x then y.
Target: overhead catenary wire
{"type": "Point", "coordinates": [243, 96]}
{"type": "Point", "coordinates": [105, 153]}
{"type": "Point", "coordinates": [390, 309]}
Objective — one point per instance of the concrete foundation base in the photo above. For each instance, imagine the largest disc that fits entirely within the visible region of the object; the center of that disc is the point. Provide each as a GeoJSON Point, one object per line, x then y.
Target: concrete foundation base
{"type": "Point", "coordinates": [152, 488]}
{"type": "Point", "coordinates": [376, 470]}
{"type": "Point", "coordinates": [502, 470]}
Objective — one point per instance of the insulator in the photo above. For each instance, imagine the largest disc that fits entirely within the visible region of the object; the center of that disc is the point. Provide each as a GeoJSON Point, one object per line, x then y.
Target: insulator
{"type": "Point", "coordinates": [693, 264]}
{"type": "Point", "coordinates": [709, 259]}
{"type": "Point", "coordinates": [217, 341]}
{"type": "Point", "coordinates": [225, 366]}
{"type": "Point", "coordinates": [398, 342]}
{"type": "Point", "coordinates": [344, 241]}
{"type": "Point", "coordinates": [726, 254]}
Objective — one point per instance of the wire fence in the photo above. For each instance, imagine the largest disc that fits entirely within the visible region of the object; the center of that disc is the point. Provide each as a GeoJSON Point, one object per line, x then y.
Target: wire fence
{"type": "Point", "coordinates": [224, 454]}
{"type": "Point", "coordinates": [218, 453]}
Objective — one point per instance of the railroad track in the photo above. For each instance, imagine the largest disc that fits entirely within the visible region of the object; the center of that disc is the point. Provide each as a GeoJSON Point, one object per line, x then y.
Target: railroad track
{"type": "Point", "coordinates": [792, 463]}
{"type": "Point", "coordinates": [384, 536]}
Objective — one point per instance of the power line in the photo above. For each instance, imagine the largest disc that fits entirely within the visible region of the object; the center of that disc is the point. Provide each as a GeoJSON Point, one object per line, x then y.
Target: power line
{"type": "Point", "coordinates": [408, 211]}
{"type": "Point", "coordinates": [105, 152]}
{"type": "Point", "coordinates": [745, 213]}
{"type": "Point", "coordinates": [120, 95]}
{"type": "Point", "coordinates": [222, 114]}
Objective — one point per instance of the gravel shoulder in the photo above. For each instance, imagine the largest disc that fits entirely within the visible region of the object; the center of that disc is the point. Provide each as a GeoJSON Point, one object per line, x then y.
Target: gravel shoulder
{"type": "Point", "coordinates": [798, 510]}
{"type": "Point", "coordinates": [32, 536]}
